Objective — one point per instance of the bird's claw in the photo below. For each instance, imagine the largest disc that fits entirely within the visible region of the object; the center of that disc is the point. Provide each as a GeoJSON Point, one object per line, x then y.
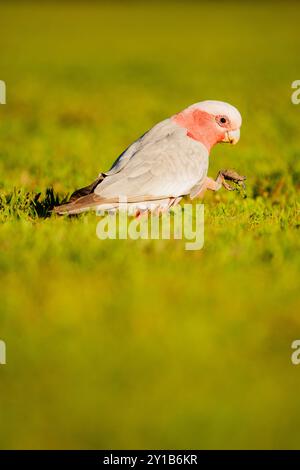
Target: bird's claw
{"type": "Point", "coordinates": [231, 175]}
{"type": "Point", "coordinates": [227, 186]}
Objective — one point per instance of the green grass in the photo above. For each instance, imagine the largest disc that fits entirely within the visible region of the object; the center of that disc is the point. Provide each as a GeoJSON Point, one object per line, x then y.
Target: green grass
{"type": "Point", "coordinates": [141, 344]}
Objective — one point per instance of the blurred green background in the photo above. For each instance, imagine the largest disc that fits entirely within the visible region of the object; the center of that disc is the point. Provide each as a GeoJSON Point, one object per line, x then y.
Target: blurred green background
{"type": "Point", "coordinates": [141, 344]}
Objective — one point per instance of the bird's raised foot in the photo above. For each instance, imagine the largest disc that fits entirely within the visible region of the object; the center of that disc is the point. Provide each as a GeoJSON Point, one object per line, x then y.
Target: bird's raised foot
{"type": "Point", "coordinates": [231, 175]}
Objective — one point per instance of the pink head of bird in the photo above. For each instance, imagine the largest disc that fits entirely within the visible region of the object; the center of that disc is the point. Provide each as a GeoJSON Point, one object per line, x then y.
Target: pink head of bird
{"type": "Point", "coordinates": [210, 122]}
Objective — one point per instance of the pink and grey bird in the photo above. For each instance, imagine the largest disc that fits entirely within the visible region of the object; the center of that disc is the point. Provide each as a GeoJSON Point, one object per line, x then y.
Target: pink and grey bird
{"type": "Point", "coordinates": [168, 162]}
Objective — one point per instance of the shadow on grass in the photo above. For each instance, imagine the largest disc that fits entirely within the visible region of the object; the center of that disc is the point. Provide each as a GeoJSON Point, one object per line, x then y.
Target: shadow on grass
{"type": "Point", "coordinates": [35, 205]}
{"type": "Point", "coordinates": [43, 206]}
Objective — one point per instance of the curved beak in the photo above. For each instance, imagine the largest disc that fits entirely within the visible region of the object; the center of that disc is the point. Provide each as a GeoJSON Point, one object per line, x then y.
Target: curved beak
{"type": "Point", "coordinates": [232, 137]}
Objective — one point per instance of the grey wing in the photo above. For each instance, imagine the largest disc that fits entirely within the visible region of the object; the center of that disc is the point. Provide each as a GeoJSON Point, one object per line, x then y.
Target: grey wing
{"type": "Point", "coordinates": [168, 167]}
{"type": "Point", "coordinates": [157, 133]}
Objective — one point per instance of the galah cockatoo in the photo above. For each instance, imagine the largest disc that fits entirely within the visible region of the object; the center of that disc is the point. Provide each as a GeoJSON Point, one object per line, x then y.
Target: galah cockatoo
{"type": "Point", "coordinates": [168, 162]}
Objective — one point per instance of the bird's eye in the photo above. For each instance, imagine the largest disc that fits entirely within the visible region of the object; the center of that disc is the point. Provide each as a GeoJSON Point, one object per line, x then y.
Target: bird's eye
{"type": "Point", "coordinates": [222, 120]}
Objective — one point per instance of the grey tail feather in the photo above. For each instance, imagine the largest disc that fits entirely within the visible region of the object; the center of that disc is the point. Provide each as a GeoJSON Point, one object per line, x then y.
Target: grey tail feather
{"type": "Point", "coordinates": [87, 189]}
{"type": "Point", "coordinates": [79, 205]}
{"type": "Point", "coordinates": [92, 200]}
{"type": "Point", "coordinates": [76, 195]}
